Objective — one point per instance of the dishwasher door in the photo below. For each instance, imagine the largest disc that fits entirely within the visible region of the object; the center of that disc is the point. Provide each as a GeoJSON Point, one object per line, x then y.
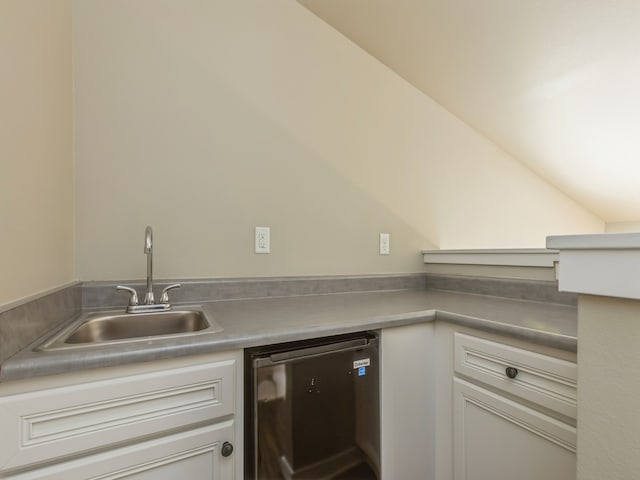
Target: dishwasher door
{"type": "Point", "coordinates": [315, 410]}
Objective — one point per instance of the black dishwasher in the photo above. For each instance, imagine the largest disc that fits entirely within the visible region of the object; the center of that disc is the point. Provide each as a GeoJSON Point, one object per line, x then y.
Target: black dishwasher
{"type": "Point", "coordinates": [312, 409]}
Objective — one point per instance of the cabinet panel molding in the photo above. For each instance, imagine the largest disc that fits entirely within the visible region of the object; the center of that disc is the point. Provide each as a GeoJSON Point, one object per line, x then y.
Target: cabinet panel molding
{"type": "Point", "coordinates": [194, 454]}
{"type": "Point", "coordinates": [495, 437]}
{"type": "Point", "coordinates": [69, 420]}
{"type": "Point", "coordinates": [94, 417]}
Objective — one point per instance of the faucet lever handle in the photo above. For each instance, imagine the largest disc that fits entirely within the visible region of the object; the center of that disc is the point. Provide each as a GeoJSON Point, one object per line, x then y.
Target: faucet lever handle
{"type": "Point", "coordinates": [133, 299]}
{"type": "Point", "coordinates": [164, 298]}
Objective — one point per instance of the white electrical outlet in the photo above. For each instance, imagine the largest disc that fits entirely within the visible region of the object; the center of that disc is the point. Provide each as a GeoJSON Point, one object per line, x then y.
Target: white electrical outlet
{"type": "Point", "coordinates": [263, 243]}
{"type": "Point", "coordinates": [385, 246]}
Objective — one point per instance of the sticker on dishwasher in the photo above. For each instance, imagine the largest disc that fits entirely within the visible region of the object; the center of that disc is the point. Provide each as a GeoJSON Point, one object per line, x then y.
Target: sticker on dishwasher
{"type": "Point", "coordinates": [362, 371]}
{"type": "Point", "coordinates": [365, 362]}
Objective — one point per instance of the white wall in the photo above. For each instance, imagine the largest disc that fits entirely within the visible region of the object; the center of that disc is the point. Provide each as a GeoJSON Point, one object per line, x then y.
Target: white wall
{"type": "Point", "coordinates": [36, 147]}
{"type": "Point", "coordinates": [608, 388]}
{"type": "Point", "coordinates": [205, 119]}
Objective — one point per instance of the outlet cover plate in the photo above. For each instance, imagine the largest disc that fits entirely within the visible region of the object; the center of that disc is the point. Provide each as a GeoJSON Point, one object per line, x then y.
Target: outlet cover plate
{"type": "Point", "coordinates": [263, 240]}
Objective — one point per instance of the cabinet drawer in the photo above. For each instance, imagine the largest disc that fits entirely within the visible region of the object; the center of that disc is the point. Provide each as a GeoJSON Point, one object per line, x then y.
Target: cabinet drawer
{"type": "Point", "coordinates": [547, 381]}
{"type": "Point", "coordinates": [43, 425]}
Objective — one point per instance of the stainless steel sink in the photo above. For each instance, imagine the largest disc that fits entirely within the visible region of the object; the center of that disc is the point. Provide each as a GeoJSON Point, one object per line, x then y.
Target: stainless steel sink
{"type": "Point", "coordinates": [108, 327]}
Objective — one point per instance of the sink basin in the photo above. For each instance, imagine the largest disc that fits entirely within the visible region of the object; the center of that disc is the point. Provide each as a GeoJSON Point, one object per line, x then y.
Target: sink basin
{"type": "Point", "coordinates": [106, 327]}
{"type": "Point", "coordinates": [101, 328]}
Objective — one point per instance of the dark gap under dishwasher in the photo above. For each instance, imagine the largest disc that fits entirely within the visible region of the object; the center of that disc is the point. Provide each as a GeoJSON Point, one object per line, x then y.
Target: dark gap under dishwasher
{"type": "Point", "coordinates": [312, 409]}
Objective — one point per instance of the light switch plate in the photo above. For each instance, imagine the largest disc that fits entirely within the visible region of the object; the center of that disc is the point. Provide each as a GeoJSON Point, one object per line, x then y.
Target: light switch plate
{"type": "Point", "coordinates": [385, 246]}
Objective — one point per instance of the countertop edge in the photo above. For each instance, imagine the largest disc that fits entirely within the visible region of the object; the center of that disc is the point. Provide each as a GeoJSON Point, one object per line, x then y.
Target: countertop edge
{"type": "Point", "coordinates": [539, 337]}
{"type": "Point", "coordinates": [78, 360]}
{"type": "Point", "coordinates": [30, 366]}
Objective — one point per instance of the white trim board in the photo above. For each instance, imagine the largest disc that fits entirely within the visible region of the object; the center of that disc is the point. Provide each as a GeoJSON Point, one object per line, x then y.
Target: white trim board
{"type": "Point", "coordinates": [598, 241]}
{"type": "Point", "coordinates": [517, 257]}
{"type": "Point", "coordinates": [599, 264]}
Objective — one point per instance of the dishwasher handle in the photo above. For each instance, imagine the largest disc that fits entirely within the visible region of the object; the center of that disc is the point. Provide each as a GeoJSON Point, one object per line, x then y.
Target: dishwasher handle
{"type": "Point", "coordinates": [293, 355]}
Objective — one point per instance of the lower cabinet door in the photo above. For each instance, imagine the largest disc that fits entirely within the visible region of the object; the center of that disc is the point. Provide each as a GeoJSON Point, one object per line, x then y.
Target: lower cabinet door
{"type": "Point", "coordinates": [192, 455]}
{"type": "Point", "coordinates": [496, 438]}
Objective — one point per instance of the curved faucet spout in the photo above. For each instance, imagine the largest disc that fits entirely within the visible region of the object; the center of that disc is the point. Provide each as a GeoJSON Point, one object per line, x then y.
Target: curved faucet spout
{"type": "Point", "coordinates": [148, 249]}
{"type": "Point", "coordinates": [148, 240]}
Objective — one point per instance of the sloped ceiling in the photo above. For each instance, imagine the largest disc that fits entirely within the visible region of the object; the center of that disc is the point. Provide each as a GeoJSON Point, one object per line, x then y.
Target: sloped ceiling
{"type": "Point", "coordinates": [556, 83]}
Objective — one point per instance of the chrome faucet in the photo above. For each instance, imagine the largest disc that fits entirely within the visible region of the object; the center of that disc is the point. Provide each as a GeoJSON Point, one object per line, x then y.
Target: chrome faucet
{"type": "Point", "coordinates": [149, 303]}
{"type": "Point", "coordinates": [148, 249]}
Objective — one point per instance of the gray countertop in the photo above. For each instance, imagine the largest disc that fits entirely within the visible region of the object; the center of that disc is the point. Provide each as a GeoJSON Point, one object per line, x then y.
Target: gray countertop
{"type": "Point", "coordinates": [249, 323]}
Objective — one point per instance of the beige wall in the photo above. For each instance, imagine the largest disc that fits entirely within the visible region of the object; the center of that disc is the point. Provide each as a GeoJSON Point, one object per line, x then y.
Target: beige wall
{"type": "Point", "coordinates": [608, 388]}
{"type": "Point", "coordinates": [36, 142]}
{"type": "Point", "coordinates": [619, 227]}
{"type": "Point", "coordinates": [205, 119]}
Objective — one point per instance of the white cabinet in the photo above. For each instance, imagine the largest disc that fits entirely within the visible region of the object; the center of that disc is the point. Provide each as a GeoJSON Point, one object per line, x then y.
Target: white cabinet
{"type": "Point", "coordinates": [165, 419]}
{"type": "Point", "coordinates": [407, 402]}
{"type": "Point", "coordinates": [448, 410]}
{"type": "Point", "coordinates": [515, 425]}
